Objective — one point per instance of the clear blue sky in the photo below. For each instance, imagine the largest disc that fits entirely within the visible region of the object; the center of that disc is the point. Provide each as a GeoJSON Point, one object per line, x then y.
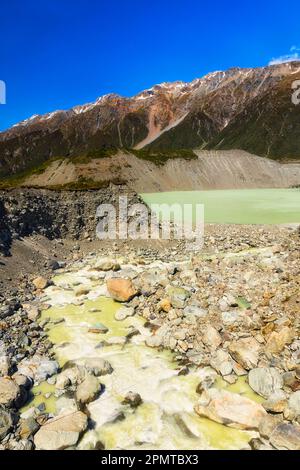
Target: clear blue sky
{"type": "Point", "coordinates": [59, 53]}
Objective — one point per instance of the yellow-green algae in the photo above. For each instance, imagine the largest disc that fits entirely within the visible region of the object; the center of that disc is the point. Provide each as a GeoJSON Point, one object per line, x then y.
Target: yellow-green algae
{"type": "Point", "coordinates": [37, 396]}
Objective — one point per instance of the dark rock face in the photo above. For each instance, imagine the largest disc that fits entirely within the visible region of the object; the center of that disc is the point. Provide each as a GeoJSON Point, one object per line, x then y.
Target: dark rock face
{"type": "Point", "coordinates": [54, 214]}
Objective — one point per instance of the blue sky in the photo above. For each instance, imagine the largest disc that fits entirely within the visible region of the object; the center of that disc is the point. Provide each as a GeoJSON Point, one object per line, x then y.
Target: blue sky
{"type": "Point", "coordinates": [59, 53]}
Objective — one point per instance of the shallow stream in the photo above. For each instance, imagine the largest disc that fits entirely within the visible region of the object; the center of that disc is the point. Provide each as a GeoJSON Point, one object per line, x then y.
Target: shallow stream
{"type": "Point", "coordinates": [166, 418]}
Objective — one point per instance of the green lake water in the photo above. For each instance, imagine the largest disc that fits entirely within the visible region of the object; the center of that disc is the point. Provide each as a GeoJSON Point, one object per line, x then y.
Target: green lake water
{"type": "Point", "coordinates": [238, 206]}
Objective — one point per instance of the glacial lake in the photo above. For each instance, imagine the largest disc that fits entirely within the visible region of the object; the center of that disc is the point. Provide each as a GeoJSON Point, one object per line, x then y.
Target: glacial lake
{"type": "Point", "coordinates": [237, 206]}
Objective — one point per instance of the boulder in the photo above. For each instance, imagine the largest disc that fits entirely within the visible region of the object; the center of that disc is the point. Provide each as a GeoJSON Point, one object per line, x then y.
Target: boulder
{"type": "Point", "coordinates": [230, 409]}
{"type": "Point", "coordinates": [6, 423]}
{"type": "Point", "coordinates": [294, 403]}
{"type": "Point", "coordinates": [154, 341]}
{"type": "Point", "coordinates": [38, 368]}
{"type": "Point", "coordinates": [279, 339]}
{"type": "Point", "coordinates": [61, 432]}
{"type": "Point", "coordinates": [33, 313]}
{"type": "Point", "coordinates": [195, 310]}
{"type": "Point", "coordinates": [230, 317]}
{"type": "Point", "coordinates": [211, 337]}
{"type": "Point", "coordinates": [121, 289]}
{"type": "Point", "coordinates": [11, 395]}
{"type": "Point", "coordinates": [133, 399]}
{"type": "Point", "coordinates": [246, 352]}
{"type": "Point", "coordinates": [177, 296]}
{"type": "Point", "coordinates": [286, 436]}
{"type": "Point", "coordinates": [28, 427]}
{"type": "Point", "coordinates": [222, 362]}
{"type": "Point", "coordinates": [268, 424]}
{"type": "Point", "coordinates": [71, 375]}
{"type": "Point", "coordinates": [276, 402]}
{"type": "Point", "coordinates": [97, 366]}
{"type": "Point", "coordinates": [65, 405]}
{"type": "Point", "coordinates": [265, 380]}
{"type": "Point", "coordinates": [88, 390]}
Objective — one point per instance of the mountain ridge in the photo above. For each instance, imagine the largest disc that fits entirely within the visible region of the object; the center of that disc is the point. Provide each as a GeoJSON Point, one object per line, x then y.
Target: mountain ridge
{"type": "Point", "coordinates": [223, 110]}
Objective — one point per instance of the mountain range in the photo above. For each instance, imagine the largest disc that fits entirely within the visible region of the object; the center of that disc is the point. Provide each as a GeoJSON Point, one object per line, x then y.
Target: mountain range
{"type": "Point", "coordinates": [248, 109]}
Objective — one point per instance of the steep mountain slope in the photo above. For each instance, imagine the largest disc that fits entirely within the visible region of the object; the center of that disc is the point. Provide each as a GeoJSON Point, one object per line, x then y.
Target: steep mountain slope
{"type": "Point", "coordinates": [268, 125]}
{"type": "Point", "coordinates": [249, 109]}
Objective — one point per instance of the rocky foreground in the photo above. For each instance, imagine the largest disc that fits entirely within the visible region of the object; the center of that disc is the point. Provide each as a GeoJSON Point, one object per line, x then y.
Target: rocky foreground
{"type": "Point", "coordinates": [229, 311]}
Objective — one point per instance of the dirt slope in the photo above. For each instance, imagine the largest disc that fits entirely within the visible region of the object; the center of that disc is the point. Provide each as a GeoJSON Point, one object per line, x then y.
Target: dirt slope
{"type": "Point", "coordinates": [212, 170]}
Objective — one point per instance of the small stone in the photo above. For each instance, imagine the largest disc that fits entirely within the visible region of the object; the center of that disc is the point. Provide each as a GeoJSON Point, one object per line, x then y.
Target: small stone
{"type": "Point", "coordinates": [229, 318]}
{"type": "Point", "coordinates": [180, 335]}
{"type": "Point", "coordinates": [38, 368]}
{"type": "Point", "coordinates": [182, 345]}
{"type": "Point", "coordinates": [164, 305]}
{"type": "Point", "coordinates": [98, 328]}
{"type": "Point", "coordinates": [113, 340]}
{"type": "Point", "coordinates": [133, 399]}
{"type": "Point", "coordinates": [124, 312]}
{"type": "Point", "coordinates": [81, 290]}
{"type": "Point", "coordinates": [4, 365]}
{"type": "Point", "coordinates": [40, 283]}
{"type": "Point", "coordinates": [289, 378]}
{"type": "Point", "coordinates": [195, 310]}
{"type": "Point", "coordinates": [231, 379]}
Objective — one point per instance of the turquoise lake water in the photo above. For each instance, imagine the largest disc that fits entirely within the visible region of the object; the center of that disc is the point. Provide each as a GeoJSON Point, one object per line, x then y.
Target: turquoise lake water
{"type": "Point", "coordinates": [238, 206]}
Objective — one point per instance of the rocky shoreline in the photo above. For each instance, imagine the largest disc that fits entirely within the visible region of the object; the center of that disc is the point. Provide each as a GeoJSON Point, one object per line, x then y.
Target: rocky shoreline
{"type": "Point", "coordinates": [231, 310]}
